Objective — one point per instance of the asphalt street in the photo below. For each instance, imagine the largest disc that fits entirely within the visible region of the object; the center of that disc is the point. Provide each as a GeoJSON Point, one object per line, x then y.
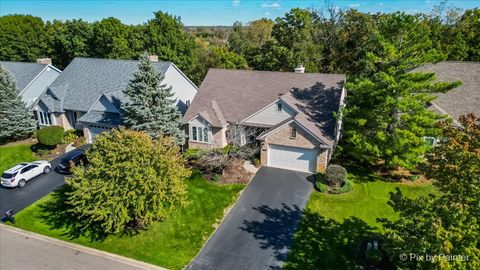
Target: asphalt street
{"type": "Point", "coordinates": [19, 198]}
{"type": "Point", "coordinates": [258, 231]}
{"type": "Point", "coordinates": [20, 250]}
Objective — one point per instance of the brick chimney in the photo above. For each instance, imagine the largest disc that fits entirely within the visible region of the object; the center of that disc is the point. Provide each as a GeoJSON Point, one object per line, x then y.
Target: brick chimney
{"type": "Point", "coordinates": [153, 58]}
{"type": "Point", "coordinates": [44, 61]}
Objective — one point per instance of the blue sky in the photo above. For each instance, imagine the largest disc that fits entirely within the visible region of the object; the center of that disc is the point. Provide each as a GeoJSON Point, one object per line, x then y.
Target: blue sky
{"type": "Point", "coordinates": [202, 12]}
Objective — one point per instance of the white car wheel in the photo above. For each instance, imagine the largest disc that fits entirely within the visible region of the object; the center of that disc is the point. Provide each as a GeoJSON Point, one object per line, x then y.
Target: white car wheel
{"type": "Point", "coordinates": [46, 170]}
{"type": "Point", "coordinates": [21, 183]}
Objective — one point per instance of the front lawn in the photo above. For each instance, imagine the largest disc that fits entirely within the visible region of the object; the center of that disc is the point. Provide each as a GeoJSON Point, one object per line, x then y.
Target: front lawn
{"type": "Point", "coordinates": [332, 225]}
{"type": "Point", "coordinates": [171, 243]}
{"type": "Point", "coordinates": [12, 155]}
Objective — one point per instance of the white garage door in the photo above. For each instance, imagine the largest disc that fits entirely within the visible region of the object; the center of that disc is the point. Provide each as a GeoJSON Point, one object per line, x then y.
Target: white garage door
{"type": "Point", "coordinates": [95, 130]}
{"type": "Point", "coordinates": [292, 158]}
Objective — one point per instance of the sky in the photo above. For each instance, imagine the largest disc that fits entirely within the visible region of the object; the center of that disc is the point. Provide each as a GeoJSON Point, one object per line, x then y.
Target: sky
{"type": "Point", "coordinates": [203, 12]}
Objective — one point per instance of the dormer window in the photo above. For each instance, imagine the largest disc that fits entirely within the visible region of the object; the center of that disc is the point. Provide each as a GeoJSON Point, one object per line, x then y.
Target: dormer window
{"type": "Point", "coordinates": [279, 107]}
{"type": "Point", "coordinates": [293, 133]}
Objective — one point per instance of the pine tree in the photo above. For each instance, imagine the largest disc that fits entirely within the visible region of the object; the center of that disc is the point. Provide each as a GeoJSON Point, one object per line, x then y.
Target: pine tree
{"type": "Point", "coordinates": [16, 120]}
{"type": "Point", "coordinates": [152, 107]}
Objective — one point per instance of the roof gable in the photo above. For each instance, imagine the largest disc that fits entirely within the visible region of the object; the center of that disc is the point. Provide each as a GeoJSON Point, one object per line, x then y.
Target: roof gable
{"type": "Point", "coordinates": [23, 72]}
{"type": "Point", "coordinates": [85, 79]}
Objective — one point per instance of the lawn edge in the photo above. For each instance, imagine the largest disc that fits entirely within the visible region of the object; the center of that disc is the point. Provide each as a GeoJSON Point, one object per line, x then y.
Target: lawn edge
{"type": "Point", "coordinates": [228, 210]}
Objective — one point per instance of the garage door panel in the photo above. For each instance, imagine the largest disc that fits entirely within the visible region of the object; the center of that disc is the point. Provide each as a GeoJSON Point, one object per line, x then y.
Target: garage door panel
{"type": "Point", "coordinates": [293, 158]}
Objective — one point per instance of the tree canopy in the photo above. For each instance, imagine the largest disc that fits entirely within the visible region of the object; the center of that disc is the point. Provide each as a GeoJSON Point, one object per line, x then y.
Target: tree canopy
{"type": "Point", "coordinates": [123, 190]}
{"type": "Point", "coordinates": [447, 223]}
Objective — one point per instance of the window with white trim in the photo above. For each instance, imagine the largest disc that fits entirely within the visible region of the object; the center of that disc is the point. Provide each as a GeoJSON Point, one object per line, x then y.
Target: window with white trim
{"type": "Point", "coordinates": [199, 134]}
{"type": "Point", "coordinates": [44, 118]}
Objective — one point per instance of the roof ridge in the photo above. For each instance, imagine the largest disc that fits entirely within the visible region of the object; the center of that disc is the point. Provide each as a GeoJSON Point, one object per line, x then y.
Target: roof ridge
{"type": "Point", "coordinates": [119, 60]}
{"type": "Point", "coordinates": [277, 72]}
{"type": "Point", "coordinates": [218, 112]}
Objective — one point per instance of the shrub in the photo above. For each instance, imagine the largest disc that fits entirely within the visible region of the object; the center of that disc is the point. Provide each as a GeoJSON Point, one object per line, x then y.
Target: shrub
{"type": "Point", "coordinates": [256, 162]}
{"type": "Point", "coordinates": [216, 177]}
{"type": "Point", "coordinates": [104, 195]}
{"type": "Point", "coordinates": [193, 154]}
{"type": "Point", "coordinates": [50, 136]}
{"type": "Point", "coordinates": [321, 187]}
{"type": "Point", "coordinates": [230, 149]}
{"type": "Point", "coordinates": [213, 162]}
{"type": "Point", "coordinates": [335, 175]}
{"type": "Point", "coordinates": [69, 136]}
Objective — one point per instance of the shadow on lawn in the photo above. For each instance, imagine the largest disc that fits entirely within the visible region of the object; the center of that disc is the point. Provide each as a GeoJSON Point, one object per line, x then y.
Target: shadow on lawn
{"type": "Point", "coordinates": [319, 243]}
{"type": "Point", "coordinates": [55, 214]}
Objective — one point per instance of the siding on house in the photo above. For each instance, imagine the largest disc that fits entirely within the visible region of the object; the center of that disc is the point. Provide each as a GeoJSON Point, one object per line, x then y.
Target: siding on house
{"type": "Point", "coordinates": [270, 115]}
{"type": "Point", "coordinates": [31, 93]}
{"type": "Point", "coordinates": [175, 78]}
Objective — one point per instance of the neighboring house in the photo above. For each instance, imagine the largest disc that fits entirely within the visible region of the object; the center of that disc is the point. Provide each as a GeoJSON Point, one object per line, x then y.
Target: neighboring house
{"type": "Point", "coordinates": [32, 79]}
{"type": "Point", "coordinates": [88, 94]}
{"type": "Point", "coordinates": [460, 100]}
{"type": "Point", "coordinates": [292, 115]}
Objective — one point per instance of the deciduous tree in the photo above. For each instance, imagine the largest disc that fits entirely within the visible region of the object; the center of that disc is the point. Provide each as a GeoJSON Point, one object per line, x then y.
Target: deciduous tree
{"type": "Point", "coordinates": [449, 223]}
{"type": "Point", "coordinates": [132, 181]}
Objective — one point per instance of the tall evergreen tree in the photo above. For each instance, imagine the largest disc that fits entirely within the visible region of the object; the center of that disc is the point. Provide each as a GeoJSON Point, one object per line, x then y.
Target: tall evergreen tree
{"type": "Point", "coordinates": [152, 107]}
{"type": "Point", "coordinates": [15, 119]}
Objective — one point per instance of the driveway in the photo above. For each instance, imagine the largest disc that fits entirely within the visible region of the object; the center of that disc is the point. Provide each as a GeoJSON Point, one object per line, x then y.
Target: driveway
{"type": "Point", "coordinates": [258, 231]}
{"type": "Point", "coordinates": [19, 198]}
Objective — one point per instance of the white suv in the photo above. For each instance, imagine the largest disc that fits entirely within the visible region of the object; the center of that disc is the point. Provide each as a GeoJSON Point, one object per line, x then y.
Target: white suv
{"type": "Point", "coordinates": [18, 175]}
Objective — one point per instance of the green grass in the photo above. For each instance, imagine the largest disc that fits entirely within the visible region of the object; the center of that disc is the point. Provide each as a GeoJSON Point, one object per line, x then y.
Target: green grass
{"type": "Point", "coordinates": [332, 225]}
{"type": "Point", "coordinates": [171, 243]}
{"type": "Point", "coordinates": [12, 155]}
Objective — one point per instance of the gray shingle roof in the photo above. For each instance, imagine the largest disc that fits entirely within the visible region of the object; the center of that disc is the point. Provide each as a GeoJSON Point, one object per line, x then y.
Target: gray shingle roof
{"type": "Point", "coordinates": [23, 72]}
{"type": "Point", "coordinates": [101, 118]}
{"type": "Point", "coordinates": [463, 99]}
{"type": "Point", "coordinates": [240, 93]}
{"type": "Point", "coordinates": [85, 79]}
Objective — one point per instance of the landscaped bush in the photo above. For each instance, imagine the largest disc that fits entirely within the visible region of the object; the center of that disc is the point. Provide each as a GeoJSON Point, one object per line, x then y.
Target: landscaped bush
{"type": "Point", "coordinates": [334, 181]}
{"type": "Point", "coordinates": [50, 136]}
{"type": "Point", "coordinates": [213, 162]}
{"type": "Point", "coordinates": [321, 186]}
{"type": "Point", "coordinates": [69, 136]}
{"type": "Point", "coordinates": [193, 154]}
{"type": "Point", "coordinates": [335, 175]}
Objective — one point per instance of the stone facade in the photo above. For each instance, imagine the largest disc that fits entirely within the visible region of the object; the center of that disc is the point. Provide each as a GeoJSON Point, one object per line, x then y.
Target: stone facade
{"type": "Point", "coordinates": [302, 140]}
{"type": "Point", "coordinates": [61, 120]}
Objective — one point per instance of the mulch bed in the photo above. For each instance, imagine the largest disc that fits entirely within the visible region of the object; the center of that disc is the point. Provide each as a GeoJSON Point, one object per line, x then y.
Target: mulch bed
{"type": "Point", "coordinates": [236, 173]}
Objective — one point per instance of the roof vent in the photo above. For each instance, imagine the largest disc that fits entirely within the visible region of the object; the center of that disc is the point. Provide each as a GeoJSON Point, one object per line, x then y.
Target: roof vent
{"type": "Point", "coordinates": [300, 69]}
{"type": "Point", "coordinates": [44, 61]}
{"type": "Point", "coordinates": [153, 58]}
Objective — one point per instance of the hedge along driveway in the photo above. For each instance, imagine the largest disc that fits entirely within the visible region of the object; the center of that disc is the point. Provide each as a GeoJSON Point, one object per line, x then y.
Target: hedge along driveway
{"type": "Point", "coordinates": [171, 243]}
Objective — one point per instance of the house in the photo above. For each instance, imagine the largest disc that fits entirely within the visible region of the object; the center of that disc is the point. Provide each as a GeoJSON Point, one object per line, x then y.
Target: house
{"type": "Point", "coordinates": [88, 94]}
{"type": "Point", "coordinates": [32, 79]}
{"type": "Point", "coordinates": [290, 115]}
{"type": "Point", "coordinates": [462, 99]}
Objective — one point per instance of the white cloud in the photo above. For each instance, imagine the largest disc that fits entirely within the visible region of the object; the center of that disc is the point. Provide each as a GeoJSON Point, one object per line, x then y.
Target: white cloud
{"type": "Point", "coordinates": [272, 5]}
{"type": "Point", "coordinates": [354, 5]}
{"type": "Point", "coordinates": [267, 13]}
{"type": "Point", "coordinates": [381, 4]}
{"type": "Point", "coordinates": [235, 3]}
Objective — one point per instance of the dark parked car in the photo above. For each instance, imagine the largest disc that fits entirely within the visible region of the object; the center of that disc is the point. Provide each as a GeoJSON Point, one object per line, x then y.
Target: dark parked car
{"type": "Point", "coordinates": [75, 157]}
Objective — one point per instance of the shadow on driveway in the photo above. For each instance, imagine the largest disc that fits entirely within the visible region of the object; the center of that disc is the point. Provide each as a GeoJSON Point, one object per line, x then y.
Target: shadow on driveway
{"type": "Point", "coordinates": [258, 231]}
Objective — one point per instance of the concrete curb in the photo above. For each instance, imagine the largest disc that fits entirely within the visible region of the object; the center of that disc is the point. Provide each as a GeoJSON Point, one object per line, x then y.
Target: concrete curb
{"type": "Point", "coordinates": [81, 248]}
